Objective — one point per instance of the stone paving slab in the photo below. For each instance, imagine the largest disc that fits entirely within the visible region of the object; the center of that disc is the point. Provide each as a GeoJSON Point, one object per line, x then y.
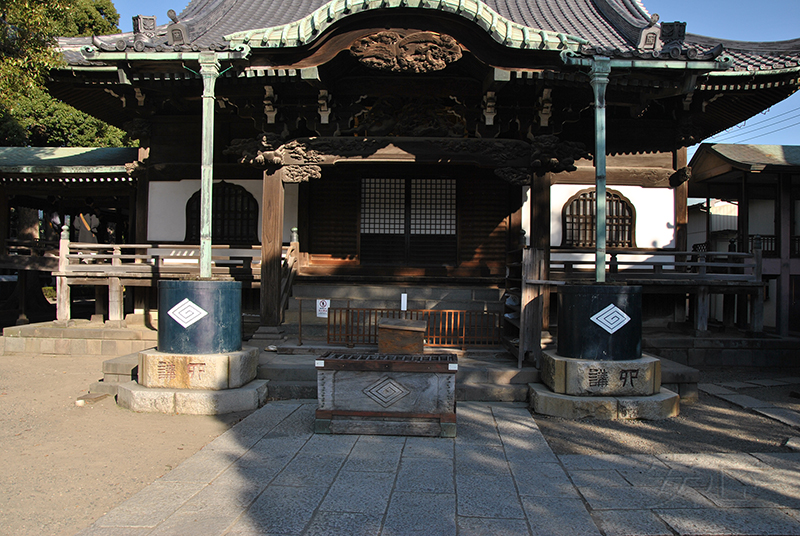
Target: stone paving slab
{"type": "Point", "coordinates": [733, 522]}
{"type": "Point", "coordinates": [713, 389]}
{"type": "Point", "coordinates": [736, 385]}
{"type": "Point", "coordinates": [270, 474]}
{"type": "Point", "coordinates": [768, 383]}
{"type": "Point", "coordinates": [747, 402]}
{"type": "Point", "coordinates": [786, 416]}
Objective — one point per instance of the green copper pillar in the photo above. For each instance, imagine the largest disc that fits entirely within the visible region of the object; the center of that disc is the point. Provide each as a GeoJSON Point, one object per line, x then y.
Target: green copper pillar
{"type": "Point", "coordinates": [601, 68]}
{"type": "Point", "coordinates": [209, 70]}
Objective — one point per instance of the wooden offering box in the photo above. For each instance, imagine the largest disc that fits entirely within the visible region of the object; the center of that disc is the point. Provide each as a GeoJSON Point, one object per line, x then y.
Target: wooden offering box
{"type": "Point", "coordinates": [387, 394]}
{"type": "Point", "coordinates": [401, 336]}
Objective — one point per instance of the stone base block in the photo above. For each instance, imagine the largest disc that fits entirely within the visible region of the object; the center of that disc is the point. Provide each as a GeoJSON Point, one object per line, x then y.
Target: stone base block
{"type": "Point", "coordinates": [197, 371]}
{"type": "Point", "coordinates": [384, 426]}
{"type": "Point", "coordinates": [661, 405]}
{"type": "Point", "coordinates": [586, 377]}
{"type": "Point", "coordinates": [136, 397]}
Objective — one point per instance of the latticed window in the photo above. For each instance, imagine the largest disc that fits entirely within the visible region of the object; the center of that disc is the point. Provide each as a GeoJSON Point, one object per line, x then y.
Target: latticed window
{"type": "Point", "coordinates": [234, 216]}
{"type": "Point", "coordinates": [579, 220]}
{"type": "Point", "coordinates": [408, 221]}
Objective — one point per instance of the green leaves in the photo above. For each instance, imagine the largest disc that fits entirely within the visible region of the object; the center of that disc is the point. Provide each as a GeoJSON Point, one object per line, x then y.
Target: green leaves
{"type": "Point", "coordinates": [28, 114]}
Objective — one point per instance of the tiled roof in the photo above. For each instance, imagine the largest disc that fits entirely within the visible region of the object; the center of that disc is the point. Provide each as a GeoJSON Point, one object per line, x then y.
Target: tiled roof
{"type": "Point", "coordinates": [66, 159]}
{"type": "Point", "coordinates": [608, 27]}
{"type": "Point", "coordinates": [755, 157]}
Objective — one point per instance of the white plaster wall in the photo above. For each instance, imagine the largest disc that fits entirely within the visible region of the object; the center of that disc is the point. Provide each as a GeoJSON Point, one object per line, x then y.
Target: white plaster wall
{"type": "Point", "coordinates": [167, 207]}
{"type": "Point", "coordinates": [655, 213]}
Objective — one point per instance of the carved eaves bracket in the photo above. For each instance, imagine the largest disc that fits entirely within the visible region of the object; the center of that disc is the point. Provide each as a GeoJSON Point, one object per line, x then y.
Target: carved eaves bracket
{"type": "Point", "coordinates": [514, 160]}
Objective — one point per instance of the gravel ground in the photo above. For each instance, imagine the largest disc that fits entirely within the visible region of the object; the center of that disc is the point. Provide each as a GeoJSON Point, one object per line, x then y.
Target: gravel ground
{"type": "Point", "coordinates": [709, 425]}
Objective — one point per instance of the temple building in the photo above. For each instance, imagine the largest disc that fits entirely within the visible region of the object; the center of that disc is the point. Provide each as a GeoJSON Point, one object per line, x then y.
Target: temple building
{"type": "Point", "coordinates": [425, 143]}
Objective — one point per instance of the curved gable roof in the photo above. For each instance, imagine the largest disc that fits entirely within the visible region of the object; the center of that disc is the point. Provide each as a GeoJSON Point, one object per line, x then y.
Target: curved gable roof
{"type": "Point", "coordinates": [607, 27]}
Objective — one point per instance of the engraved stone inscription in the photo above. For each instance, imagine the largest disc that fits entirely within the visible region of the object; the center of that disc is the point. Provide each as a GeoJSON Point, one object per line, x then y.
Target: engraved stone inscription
{"type": "Point", "coordinates": [196, 370]}
{"type": "Point", "coordinates": [166, 370]}
{"type": "Point", "coordinates": [626, 375]}
{"type": "Point", "coordinates": [598, 377]}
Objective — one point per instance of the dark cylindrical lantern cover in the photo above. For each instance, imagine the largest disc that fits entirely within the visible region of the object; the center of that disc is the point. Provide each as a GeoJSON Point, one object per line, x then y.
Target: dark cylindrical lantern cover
{"type": "Point", "coordinates": [600, 322]}
{"type": "Point", "coordinates": [199, 317]}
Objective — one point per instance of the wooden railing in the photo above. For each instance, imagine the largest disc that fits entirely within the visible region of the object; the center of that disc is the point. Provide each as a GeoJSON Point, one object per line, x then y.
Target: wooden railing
{"type": "Point", "coordinates": [705, 266]}
{"type": "Point", "coordinates": [446, 328]}
{"type": "Point", "coordinates": [155, 260]}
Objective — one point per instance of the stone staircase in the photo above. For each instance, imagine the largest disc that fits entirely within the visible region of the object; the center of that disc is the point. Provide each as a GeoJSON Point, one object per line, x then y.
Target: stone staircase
{"type": "Point", "coordinates": [382, 296]}
{"type": "Point", "coordinates": [76, 338]}
{"type": "Point", "coordinates": [483, 375]}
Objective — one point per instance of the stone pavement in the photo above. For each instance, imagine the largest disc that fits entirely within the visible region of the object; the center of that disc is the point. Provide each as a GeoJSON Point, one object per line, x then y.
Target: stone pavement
{"type": "Point", "coordinates": [271, 475]}
{"type": "Point", "coordinates": [728, 391]}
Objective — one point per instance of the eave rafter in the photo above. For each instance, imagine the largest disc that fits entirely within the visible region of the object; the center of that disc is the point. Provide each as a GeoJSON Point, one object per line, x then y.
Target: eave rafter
{"type": "Point", "coordinates": [311, 27]}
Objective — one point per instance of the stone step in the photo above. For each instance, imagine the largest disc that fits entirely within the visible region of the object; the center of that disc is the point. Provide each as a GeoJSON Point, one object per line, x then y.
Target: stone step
{"type": "Point", "coordinates": [489, 392]}
{"type": "Point", "coordinates": [293, 390]}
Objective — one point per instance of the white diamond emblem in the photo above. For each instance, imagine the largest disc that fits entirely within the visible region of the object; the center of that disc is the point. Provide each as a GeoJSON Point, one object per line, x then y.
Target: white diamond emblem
{"type": "Point", "coordinates": [386, 391]}
{"type": "Point", "coordinates": [611, 318]}
{"type": "Point", "coordinates": [187, 313]}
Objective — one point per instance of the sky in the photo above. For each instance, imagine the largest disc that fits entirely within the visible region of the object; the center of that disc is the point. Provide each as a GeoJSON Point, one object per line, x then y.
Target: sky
{"type": "Point", "coordinates": [745, 20]}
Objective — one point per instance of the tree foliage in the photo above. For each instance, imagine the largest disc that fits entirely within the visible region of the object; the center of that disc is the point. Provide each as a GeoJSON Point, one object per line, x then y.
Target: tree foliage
{"type": "Point", "coordinates": [28, 114]}
{"type": "Point", "coordinates": [39, 120]}
{"type": "Point", "coordinates": [27, 30]}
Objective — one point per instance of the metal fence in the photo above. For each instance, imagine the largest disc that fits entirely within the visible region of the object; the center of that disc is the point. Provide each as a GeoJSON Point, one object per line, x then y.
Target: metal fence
{"type": "Point", "coordinates": [446, 328]}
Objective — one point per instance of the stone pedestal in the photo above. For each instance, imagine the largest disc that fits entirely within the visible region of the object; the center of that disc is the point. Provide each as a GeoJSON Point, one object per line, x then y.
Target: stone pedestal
{"type": "Point", "coordinates": [195, 384]}
{"type": "Point", "coordinates": [227, 370]}
{"type": "Point", "coordinates": [583, 388]}
{"type": "Point", "coordinates": [387, 394]}
{"type": "Point", "coordinates": [586, 377]}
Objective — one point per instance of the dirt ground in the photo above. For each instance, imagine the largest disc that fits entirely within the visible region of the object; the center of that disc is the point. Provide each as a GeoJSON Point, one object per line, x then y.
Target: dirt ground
{"type": "Point", "coordinates": [63, 466]}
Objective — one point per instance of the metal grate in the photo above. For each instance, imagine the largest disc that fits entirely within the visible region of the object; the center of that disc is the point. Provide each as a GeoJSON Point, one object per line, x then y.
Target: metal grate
{"type": "Point", "coordinates": [446, 328]}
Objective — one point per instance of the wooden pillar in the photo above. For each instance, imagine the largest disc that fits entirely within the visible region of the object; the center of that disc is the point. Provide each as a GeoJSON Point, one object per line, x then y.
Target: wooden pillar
{"type": "Point", "coordinates": [63, 299]}
{"type": "Point", "coordinates": [141, 295]}
{"type": "Point", "coordinates": [540, 239]}
{"type": "Point", "coordinates": [115, 306]}
{"type": "Point", "coordinates": [743, 226]}
{"type": "Point", "coordinates": [271, 247]}
{"type": "Point", "coordinates": [681, 214]}
{"type": "Point", "coordinates": [784, 232]}
{"type": "Point", "coordinates": [702, 300]}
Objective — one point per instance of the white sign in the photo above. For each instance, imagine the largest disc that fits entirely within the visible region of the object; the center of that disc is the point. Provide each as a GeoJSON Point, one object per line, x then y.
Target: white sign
{"type": "Point", "coordinates": [322, 308]}
{"type": "Point", "coordinates": [404, 302]}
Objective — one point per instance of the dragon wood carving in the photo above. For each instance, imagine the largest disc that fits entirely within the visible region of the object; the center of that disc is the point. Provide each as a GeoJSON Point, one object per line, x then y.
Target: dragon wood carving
{"type": "Point", "coordinates": [418, 52]}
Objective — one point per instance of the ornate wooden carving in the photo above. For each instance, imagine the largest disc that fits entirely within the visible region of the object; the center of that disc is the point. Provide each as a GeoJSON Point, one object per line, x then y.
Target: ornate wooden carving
{"type": "Point", "coordinates": [301, 173]}
{"type": "Point", "coordinates": [552, 155]}
{"type": "Point", "coordinates": [418, 52]}
{"type": "Point", "coordinates": [518, 176]}
{"type": "Point", "coordinates": [259, 152]}
{"type": "Point", "coordinates": [411, 117]}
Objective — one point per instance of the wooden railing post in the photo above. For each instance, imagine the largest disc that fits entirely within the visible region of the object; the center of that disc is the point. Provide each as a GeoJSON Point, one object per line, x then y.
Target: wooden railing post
{"type": "Point", "coordinates": [63, 301]}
